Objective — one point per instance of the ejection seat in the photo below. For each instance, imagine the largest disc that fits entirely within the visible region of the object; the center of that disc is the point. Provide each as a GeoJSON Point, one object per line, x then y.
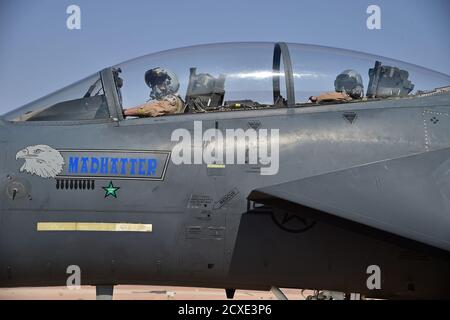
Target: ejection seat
{"type": "Point", "coordinates": [204, 92]}
{"type": "Point", "coordinates": [387, 81]}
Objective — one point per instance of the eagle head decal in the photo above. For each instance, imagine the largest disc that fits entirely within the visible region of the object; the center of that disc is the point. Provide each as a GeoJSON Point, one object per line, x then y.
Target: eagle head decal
{"type": "Point", "coordinates": [41, 160]}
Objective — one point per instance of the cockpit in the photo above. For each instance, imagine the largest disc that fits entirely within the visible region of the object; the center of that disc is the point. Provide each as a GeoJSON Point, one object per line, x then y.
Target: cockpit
{"type": "Point", "coordinates": [230, 77]}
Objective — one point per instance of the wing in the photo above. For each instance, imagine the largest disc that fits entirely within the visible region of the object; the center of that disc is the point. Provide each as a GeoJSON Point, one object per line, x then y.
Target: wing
{"type": "Point", "coordinates": [407, 197]}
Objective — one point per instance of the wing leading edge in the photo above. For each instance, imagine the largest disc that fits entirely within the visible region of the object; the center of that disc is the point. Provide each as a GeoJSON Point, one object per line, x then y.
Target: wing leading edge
{"type": "Point", "coordinates": [408, 197]}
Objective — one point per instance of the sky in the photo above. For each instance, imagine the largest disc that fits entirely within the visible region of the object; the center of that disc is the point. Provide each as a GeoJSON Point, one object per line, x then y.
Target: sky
{"type": "Point", "coordinates": [39, 54]}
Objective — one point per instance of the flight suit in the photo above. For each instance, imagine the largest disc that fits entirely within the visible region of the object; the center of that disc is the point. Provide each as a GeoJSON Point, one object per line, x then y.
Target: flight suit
{"type": "Point", "coordinates": [167, 105]}
{"type": "Point", "coordinates": [331, 97]}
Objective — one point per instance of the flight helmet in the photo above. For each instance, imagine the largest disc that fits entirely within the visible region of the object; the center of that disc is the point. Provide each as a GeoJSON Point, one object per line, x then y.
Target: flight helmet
{"type": "Point", "coordinates": [163, 82]}
{"type": "Point", "coordinates": [350, 82]}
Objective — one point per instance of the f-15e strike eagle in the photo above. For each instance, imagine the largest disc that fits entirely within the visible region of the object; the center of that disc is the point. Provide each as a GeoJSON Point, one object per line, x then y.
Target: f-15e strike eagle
{"type": "Point", "coordinates": [252, 186]}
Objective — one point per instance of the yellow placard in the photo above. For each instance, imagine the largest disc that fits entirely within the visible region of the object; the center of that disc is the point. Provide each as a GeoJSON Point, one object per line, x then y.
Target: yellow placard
{"type": "Point", "coordinates": [216, 166]}
{"type": "Point", "coordinates": [93, 226]}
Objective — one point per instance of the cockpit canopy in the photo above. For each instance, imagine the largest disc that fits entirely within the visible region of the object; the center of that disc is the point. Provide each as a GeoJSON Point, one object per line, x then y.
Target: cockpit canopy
{"type": "Point", "coordinates": [231, 76]}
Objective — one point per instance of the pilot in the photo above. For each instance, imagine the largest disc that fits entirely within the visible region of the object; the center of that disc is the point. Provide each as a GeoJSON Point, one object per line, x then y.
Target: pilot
{"type": "Point", "coordinates": [348, 86]}
{"type": "Point", "coordinates": [163, 96]}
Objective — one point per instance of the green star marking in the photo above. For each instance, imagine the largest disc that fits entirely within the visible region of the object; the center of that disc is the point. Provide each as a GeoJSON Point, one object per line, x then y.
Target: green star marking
{"type": "Point", "coordinates": [110, 190]}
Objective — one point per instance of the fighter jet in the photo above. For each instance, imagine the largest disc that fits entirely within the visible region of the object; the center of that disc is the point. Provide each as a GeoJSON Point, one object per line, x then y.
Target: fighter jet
{"type": "Point", "coordinates": [284, 166]}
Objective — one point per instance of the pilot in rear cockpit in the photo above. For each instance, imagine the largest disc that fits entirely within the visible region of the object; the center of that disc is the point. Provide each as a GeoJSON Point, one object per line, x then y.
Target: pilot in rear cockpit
{"type": "Point", "coordinates": [163, 96]}
{"type": "Point", "coordinates": [348, 86]}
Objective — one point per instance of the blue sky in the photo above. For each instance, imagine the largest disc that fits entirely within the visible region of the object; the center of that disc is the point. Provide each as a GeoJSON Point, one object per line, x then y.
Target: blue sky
{"type": "Point", "coordinates": [39, 55]}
